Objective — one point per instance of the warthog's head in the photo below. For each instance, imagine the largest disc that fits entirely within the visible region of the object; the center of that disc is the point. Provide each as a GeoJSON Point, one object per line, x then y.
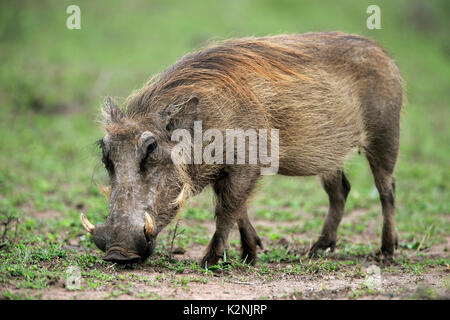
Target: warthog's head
{"type": "Point", "coordinates": [147, 188]}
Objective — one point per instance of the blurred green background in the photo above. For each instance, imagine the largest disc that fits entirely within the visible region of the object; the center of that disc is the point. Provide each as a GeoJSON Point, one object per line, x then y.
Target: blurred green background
{"type": "Point", "coordinates": [53, 81]}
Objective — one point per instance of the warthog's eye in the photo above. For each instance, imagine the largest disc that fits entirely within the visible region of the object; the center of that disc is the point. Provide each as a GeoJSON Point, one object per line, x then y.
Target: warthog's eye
{"type": "Point", "coordinates": [152, 144]}
{"type": "Point", "coordinates": [108, 163]}
{"type": "Point", "coordinates": [105, 158]}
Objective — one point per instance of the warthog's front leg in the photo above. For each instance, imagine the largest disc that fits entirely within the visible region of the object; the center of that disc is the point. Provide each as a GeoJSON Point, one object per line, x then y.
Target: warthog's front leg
{"type": "Point", "coordinates": [249, 238]}
{"type": "Point", "coordinates": [219, 242]}
{"type": "Point", "coordinates": [232, 192]}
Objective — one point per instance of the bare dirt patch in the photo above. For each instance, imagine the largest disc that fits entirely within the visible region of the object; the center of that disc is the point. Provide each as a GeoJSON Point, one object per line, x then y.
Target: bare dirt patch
{"type": "Point", "coordinates": [274, 280]}
{"type": "Point", "coordinates": [47, 214]}
{"type": "Point", "coordinates": [164, 285]}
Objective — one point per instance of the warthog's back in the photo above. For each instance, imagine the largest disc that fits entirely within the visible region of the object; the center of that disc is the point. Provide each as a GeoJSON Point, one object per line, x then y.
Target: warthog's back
{"type": "Point", "coordinates": [345, 83]}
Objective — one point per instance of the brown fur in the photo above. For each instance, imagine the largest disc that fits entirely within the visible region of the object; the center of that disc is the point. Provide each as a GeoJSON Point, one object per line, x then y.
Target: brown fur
{"type": "Point", "coordinates": [328, 94]}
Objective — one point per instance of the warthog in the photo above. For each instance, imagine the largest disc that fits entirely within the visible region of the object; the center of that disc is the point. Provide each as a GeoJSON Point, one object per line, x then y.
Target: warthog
{"type": "Point", "coordinates": [327, 94]}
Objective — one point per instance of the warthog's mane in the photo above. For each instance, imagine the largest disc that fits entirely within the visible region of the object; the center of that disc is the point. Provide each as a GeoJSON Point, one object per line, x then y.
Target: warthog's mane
{"type": "Point", "coordinates": [222, 68]}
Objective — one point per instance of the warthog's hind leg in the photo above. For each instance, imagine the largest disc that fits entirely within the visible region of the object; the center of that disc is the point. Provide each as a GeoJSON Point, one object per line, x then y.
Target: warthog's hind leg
{"type": "Point", "coordinates": [382, 156]}
{"type": "Point", "coordinates": [337, 188]}
{"type": "Point", "coordinates": [385, 183]}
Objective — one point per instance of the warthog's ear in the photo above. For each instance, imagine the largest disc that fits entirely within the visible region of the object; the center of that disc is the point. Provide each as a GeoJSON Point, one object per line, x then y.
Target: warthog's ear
{"type": "Point", "coordinates": [180, 115]}
{"type": "Point", "coordinates": [111, 112]}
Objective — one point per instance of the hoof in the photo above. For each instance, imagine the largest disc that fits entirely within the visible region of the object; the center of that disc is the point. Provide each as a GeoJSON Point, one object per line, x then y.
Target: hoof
{"type": "Point", "coordinates": [321, 246]}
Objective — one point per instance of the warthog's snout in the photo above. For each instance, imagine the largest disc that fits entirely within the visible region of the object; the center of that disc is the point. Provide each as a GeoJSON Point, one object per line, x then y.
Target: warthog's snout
{"type": "Point", "coordinates": [121, 256]}
{"type": "Point", "coordinates": [122, 241]}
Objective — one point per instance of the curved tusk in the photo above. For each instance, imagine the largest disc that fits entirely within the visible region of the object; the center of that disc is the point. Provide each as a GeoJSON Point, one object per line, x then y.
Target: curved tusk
{"type": "Point", "coordinates": [148, 228]}
{"type": "Point", "coordinates": [86, 224]}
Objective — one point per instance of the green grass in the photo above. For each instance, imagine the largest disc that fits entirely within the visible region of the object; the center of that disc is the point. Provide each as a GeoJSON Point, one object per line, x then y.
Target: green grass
{"type": "Point", "coordinates": [52, 81]}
